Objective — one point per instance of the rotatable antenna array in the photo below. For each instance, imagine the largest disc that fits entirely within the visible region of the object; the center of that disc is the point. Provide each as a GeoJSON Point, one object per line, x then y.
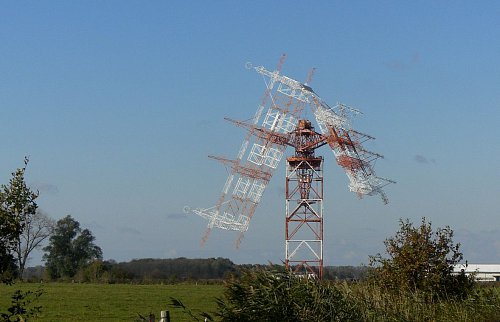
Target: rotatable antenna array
{"type": "Point", "coordinates": [269, 132]}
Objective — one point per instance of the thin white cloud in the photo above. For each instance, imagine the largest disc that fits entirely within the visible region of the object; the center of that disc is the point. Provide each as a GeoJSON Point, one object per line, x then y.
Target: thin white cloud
{"type": "Point", "coordinates": [423, 160]}
{"type": "Point", "coordinates": [420, 159]}
{"type": "Point", "coordinates": [129, 230]}
{"type": "Point", "coordinates": [405, 63]}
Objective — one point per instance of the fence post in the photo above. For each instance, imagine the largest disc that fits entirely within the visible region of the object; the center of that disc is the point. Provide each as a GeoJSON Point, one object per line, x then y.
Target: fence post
{"type": "Point", "coordinates": [164, 316]}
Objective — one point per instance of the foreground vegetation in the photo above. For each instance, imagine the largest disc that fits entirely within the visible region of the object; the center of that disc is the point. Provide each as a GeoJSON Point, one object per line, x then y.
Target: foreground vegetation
{"type": "Point", "coordinates": [413, 281]}
{"type": "Point", "coordinates": [113, 302]}
{"type": "Point", "coordinates": [279, 296]}
{"type": "Point", "coordinates": [258, 295]}
{"type": "Point", "coordinates": [379, 304]}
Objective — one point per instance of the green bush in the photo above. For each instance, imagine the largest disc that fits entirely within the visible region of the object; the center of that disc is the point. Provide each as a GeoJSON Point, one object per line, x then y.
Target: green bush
{"type": "Point", "coordinates": [263, 295]}
{"type": "Point", "coordinates": [22, 306]}
{"type": "Point", "coordinates": [420, 259]}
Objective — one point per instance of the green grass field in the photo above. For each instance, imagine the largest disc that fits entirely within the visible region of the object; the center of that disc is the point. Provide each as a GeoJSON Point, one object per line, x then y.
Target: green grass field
{"type": "Point", "coordinates": [123, 302]}
{"type": "Point", "coordinates": [114, 302]}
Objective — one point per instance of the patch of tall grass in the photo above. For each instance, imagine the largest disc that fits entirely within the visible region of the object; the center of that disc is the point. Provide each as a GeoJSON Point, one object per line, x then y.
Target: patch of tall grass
{"type": "Point", "coordinates": [261, 295]}
{"type": "Point", "coordinates": [376, 303]}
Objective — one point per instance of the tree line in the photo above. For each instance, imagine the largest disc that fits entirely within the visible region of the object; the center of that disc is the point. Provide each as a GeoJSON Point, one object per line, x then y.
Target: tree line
{"type": "Point", "coordinates": [175, 270]}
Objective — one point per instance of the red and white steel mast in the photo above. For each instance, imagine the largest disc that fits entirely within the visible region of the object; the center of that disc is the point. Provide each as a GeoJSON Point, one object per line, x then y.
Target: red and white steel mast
{"type": "Point", "coordinates": [304, 203]}
{"type": "Point", "coordinates": [277, 124]}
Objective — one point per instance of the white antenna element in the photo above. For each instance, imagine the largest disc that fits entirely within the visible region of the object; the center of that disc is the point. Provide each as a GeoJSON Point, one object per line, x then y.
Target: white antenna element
{"type": "Point", "coordinates": [268, 134]}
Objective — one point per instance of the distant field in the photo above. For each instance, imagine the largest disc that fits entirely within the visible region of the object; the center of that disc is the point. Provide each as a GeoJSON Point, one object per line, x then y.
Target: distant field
{"type": "Point", "coordinates": [114, 302]}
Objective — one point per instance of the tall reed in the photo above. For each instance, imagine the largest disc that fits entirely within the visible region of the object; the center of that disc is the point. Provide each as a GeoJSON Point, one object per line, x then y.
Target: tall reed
{"type": "Point", "coordinates": [376, 303]}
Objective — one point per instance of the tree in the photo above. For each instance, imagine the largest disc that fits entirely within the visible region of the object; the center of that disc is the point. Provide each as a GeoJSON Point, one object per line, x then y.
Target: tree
{"type": "Point", "coordinates": [31, 226]}
{"type": "Point", "coordinates": [17, 203]}
{"type": "Point", "coordinates": [8, 231]}
{"type": "Point", "coordinates": [37, 228]}
{"type": "Point", "coordinates": [422, 259]}
{"type": "Point", "coordinates": [70, 249]}
{"type": "Point", "coordinates": [8, 268]}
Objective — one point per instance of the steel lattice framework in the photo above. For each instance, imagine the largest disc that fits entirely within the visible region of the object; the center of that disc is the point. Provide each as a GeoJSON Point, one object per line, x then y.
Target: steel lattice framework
{"type": "Point", "coordinates": [269, 132]}
{"type": "Point", "coordinates": [304, 202]}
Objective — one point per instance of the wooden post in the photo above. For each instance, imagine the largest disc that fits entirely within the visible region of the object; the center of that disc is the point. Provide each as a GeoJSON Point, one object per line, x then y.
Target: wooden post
{"type": "Point", "coordinates": [164, 316]}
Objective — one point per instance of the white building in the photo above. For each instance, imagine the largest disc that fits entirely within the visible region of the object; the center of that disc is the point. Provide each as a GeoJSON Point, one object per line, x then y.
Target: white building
{"type": "Point", "coordinates": [484, 272]}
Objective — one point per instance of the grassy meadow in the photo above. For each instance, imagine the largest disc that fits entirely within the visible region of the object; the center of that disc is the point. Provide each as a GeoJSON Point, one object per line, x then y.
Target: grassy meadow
{"type": "Point", "coordinates": [123, 302]}
{"type": "Point", "coordinates": [113, 302]}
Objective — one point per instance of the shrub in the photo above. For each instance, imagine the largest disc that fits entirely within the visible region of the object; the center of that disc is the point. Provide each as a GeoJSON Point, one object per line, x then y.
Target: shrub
{"type": "Point", "coordinates": [263, 295]}
{"type": "Point", "coordinates": [422, 259]}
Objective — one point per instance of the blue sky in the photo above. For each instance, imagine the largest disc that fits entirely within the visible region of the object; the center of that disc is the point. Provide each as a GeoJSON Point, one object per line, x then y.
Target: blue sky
{"type": "Point", "coordinates": [118, 104]}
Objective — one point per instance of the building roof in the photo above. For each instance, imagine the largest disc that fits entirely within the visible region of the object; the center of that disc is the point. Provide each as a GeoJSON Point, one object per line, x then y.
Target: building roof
{"type": "Point", "coordinates": [480, 268]}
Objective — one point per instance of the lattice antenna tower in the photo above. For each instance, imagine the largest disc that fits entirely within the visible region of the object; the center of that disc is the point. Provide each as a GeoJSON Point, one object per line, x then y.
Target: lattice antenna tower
{"type": "Point", "coordinates": [269, 132]}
